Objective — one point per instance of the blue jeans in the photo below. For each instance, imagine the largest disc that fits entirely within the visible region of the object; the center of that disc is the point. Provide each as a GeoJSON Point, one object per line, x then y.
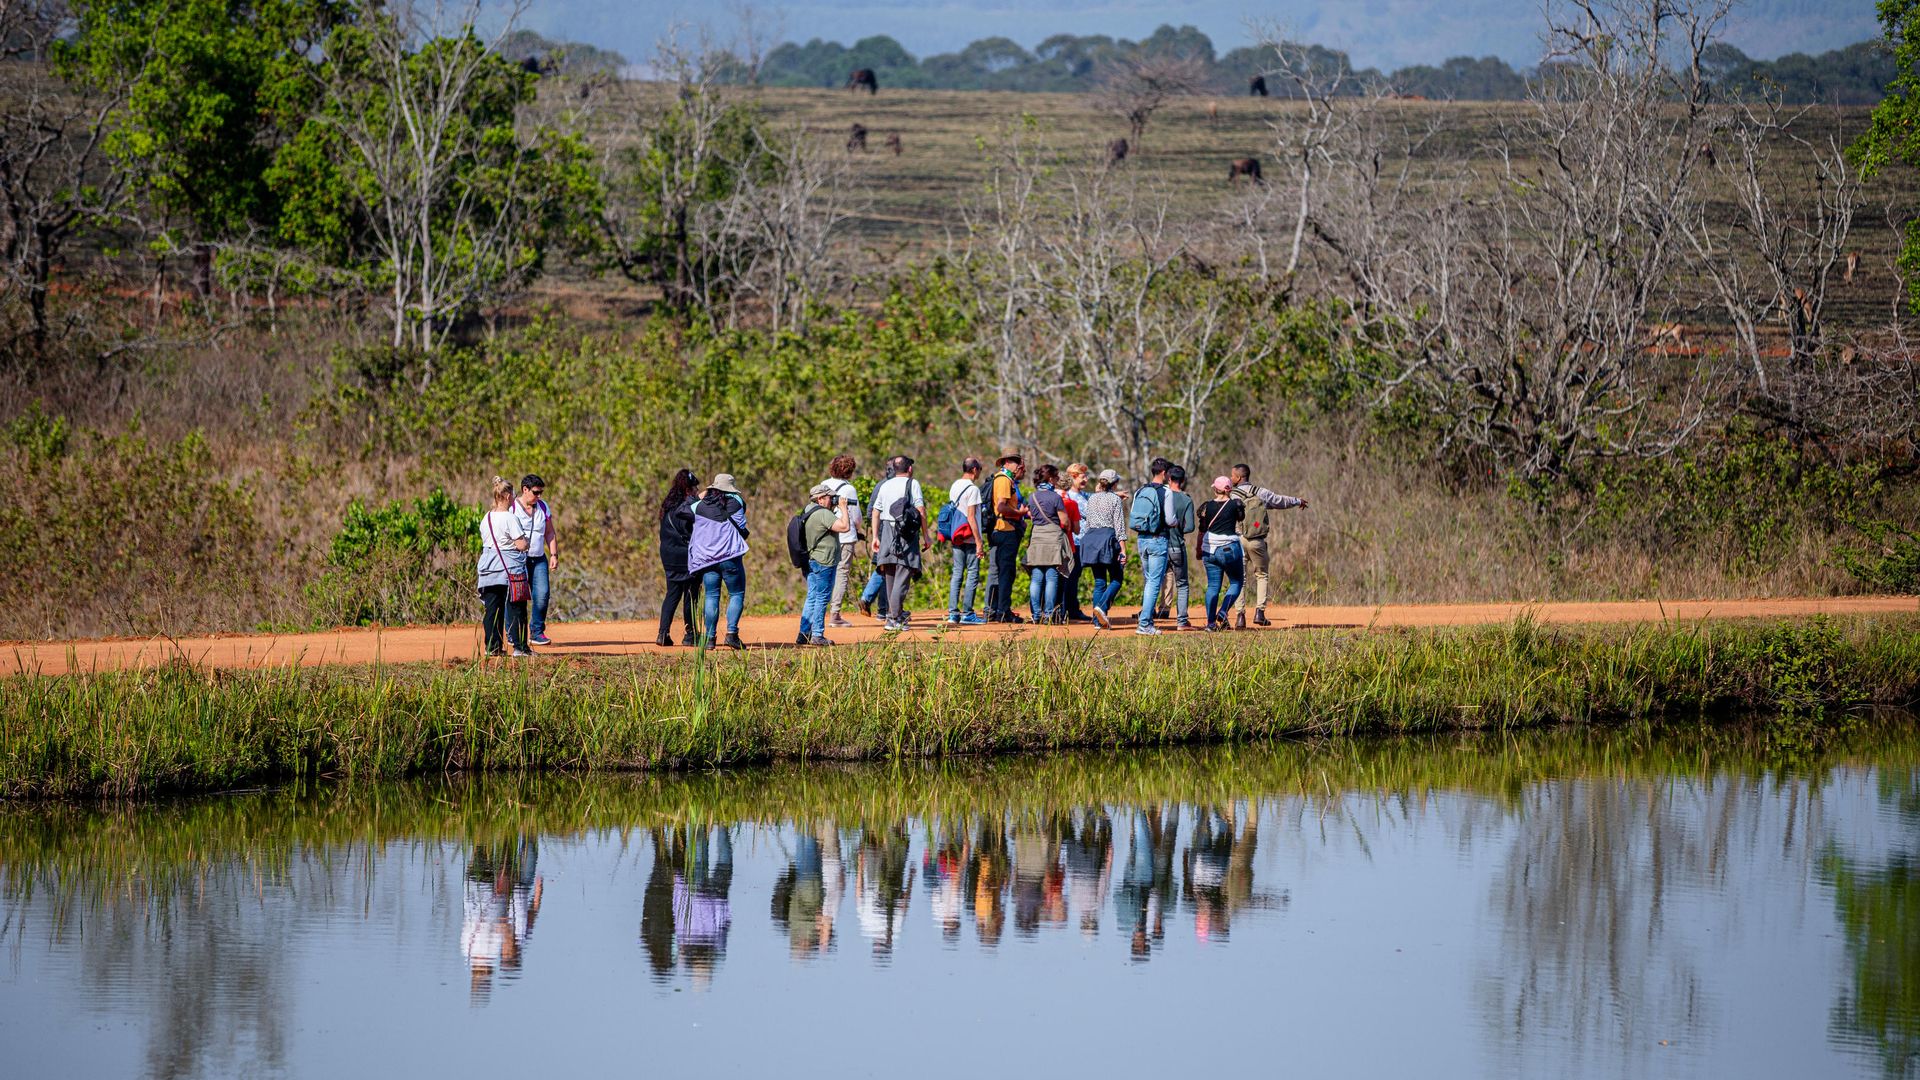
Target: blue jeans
{"type": "Point", "coordinates": [1153, 566]}
{"type": "Point", "coordinates": [1044, 591]}
{"type": "Point", "coordinates": [876, 591]}
{"type": "Point", "coordinates": [1224, 562]}
{"type": "Point", "coordinates": [537, 582]}
{"type": "Point", "coordinates": [1106, 585]}
{"type": "Point", "coordinates": [813, 613]}
{"type": "Point", "coordinates": [734, 573]}
{"type": "Point", "coordinates": [964, 579]}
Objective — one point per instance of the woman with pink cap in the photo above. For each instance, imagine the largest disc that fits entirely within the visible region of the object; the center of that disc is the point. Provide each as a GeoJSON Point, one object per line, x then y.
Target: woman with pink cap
{"type": "Point", "coordinates": [1220, 551]}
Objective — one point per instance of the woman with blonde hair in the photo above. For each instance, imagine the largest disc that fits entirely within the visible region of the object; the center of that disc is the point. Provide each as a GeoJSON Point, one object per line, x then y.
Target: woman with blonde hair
{"type": "Point", "coordinates": [1077, 476]}
{"type": "Point", "coordinates": [502, 571]}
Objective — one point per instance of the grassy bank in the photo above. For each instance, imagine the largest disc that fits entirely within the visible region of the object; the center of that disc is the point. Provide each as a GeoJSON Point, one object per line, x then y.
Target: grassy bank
{"type": "Point", "coordinates": [138, 733]}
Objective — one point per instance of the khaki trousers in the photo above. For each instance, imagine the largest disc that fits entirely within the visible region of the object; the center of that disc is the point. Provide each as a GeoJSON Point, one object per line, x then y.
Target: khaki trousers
{"type": "Point", "coordinates": [840, 572]}
{"type": "Point", "coordinates": [1256, 553]}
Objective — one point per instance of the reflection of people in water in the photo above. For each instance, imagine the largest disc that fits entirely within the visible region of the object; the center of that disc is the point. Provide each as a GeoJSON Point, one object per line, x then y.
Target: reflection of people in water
{"type": "Point", "coordinates": [985, 880]}
{"type": "Point", "coordinates": [502, 901]}
{"type": "Point", "coordinates": [1219, 870]}
{"type": "Point", "coordinates": [1146, 885]}
{"type": "Point", "coordinates": [685, 913]}
{"type": "Point", "coordinates": [1038, 894]}
{"type": "Point", "coordinates": [943, 868]}
{"type": "Point", "coordinates": [807, 894]}
{"type": "Point", "coordinates": [1088, 850]}
{"type": "Point", "coordinates": [883, 882]}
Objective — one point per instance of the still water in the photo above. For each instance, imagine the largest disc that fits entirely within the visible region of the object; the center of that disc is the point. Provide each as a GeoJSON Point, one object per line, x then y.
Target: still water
{"type": "Point", "coordinates": [1558, 904]}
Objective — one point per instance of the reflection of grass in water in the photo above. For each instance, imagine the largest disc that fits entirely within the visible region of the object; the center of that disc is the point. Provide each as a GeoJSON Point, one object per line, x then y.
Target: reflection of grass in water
{"type": "Point", "coordinates": [179, 729]}
{"type": "Point", "coordinates": [1878, 907]}
{"type": "Point", "coordinates": [95, 851]}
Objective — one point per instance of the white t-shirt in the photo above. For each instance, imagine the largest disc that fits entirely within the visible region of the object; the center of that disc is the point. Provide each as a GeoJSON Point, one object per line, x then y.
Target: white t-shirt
{"type": "Point", "coordinates": [534, 525]}
{"type": "Point", "coordinates": [840, 489]}
{"type": "Point", "coordinates": [965, 495]}
{"type": "Point", "coordinates": [502, 526]}
{"type": "Point", "coordinates": [890, 492]}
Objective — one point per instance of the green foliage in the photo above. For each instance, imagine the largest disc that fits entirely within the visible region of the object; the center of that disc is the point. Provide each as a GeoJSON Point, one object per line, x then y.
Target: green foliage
{"type": "Point", "coordinates": [403, 562]}
{"type": "Point", "coordinates": [1894, 134]}
{"type": "Point", "coordinates": [1890, 561]}
{"type": "Point", "coordinates": [208, 86]}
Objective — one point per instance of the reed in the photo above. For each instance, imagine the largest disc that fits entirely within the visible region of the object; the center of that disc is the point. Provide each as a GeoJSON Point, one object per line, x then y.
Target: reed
{"type": "Point", "coordinates": [183, 730]}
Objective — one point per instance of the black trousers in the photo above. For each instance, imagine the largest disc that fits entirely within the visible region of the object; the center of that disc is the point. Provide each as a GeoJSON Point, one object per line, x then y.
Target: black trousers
{"type": "Point", "coordinates": [680, 595]}
{"type": "Point", "coordinates": [499, 615]}
{"type": "Point", "coordinates": [1005, 544]}
{"type": "Point", "coordinates": [1070, 591]}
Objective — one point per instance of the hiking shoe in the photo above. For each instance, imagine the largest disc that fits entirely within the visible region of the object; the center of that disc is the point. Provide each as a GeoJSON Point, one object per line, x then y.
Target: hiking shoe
{"type": "Point", "coordinates": [518, 654]}
{"type": "Point", "coordinates": [839, 623]}
{"type": "Point", "coordinates": [541, 639]}
{"type": "Point", "coordinates": [1146, 631]}
{"type": "Point", "coordinates": [866, 608]}
{"type": "Point", "coordinates": [970, 619]}
{"type": "Point", "coordinates": [801, 638]}
{"type": "Point", "coordinates": [733, 642]}
{"type": "Point", "coordinates": [665, 641]}
{"type": "Point", "coordinates": [496, 654]}
{"type": "Point", "coordinates": [819, 639]}
{"type": "Point", "coordinates": [1100, 619]}
{"type": "Point", "coordinates": [1260, 619]}
{"type": "Point", "coordinates": [1240, 621]}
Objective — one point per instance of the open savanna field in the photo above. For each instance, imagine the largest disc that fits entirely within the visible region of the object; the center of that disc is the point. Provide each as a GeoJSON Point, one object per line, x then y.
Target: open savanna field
{"type": "Point", "coordinates": [916, 203]}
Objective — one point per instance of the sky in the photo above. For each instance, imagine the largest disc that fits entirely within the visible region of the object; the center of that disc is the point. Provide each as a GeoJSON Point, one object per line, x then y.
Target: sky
{"type": "Point", "coordinates": [1376, 33]}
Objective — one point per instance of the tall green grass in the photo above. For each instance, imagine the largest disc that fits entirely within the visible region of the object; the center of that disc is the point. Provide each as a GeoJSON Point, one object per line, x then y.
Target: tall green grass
{"type": "Point", "coordinates": [179, 729]}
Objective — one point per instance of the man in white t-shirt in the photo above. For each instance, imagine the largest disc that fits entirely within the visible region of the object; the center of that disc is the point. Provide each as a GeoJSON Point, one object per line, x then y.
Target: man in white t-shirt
{"type": "Point", "coordinates": [897, 544]}
{"type": "Point", "coordinates": [839, 473]}
{"type": "Point", "coordinates": [968, 544]}
{"type": "Point", "coordinates": [536, 520]}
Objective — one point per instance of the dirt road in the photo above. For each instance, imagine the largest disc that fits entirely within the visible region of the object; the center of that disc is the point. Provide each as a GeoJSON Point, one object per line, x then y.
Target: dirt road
{"type": "Point", "coordinates": [444, 643]}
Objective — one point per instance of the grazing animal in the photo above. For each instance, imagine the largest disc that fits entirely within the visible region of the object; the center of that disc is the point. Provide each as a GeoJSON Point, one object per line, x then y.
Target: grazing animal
{"type": "Point", "coordinates": [1706, 152]}
{"type": "Point", "coordinates": [893, 143]}
{"type": "Point", "coordinates": [1257, 86]}
{"type": "Point", "coordinates": [863, 77]}
{"type": "Point", "coordinates": [1213, 112]}
{"type": "Point", "coordinates": [1853, 267]}
{"type": "Point", "coordinates": [1117, 151]}
{"type": "Point", "coordinates": [1247, 167]}
{"type": "Point", "coordinates": [1661, 333]}
{"type": "Point", "coordinates": [857, 138]}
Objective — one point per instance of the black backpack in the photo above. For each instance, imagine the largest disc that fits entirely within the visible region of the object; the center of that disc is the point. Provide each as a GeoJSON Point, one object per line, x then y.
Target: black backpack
{"type": "Point", "coordinates": [797, 537]}
{"type": "Point", "coordinates": [907, 518]}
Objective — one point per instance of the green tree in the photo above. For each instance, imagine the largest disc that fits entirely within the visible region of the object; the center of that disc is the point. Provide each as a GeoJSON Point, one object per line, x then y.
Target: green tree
{"type": "Point", "coordinates": [415, 173]}
{"type": "Point", "coordinates": [203, 88]}
{"type": "Point", "coordinates": [1894, 134]}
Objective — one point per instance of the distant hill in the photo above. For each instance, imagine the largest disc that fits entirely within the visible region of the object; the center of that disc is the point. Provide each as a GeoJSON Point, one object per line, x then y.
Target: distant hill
{"type": "Point", "coordinates": [572, 57]}
{"type": "Point", "coordinates": [1855, 75]}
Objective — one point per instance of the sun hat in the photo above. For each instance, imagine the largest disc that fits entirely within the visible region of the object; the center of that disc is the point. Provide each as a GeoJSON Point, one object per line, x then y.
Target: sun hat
{"type": "Point", "coordinates": [724, 482]}
{"type": "Point", "coordinates": [819, 491]}
{"type": "Point", "coordinates": [1222, 485]}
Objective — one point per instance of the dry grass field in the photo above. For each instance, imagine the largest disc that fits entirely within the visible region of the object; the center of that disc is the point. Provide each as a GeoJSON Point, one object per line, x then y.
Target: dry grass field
{"type": "Point", "coordinates": [913, 204]}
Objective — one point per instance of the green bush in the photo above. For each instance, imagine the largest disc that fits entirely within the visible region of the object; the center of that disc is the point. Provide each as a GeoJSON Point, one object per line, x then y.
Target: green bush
{"type": "Point", "coordinates": [1890, 561]}
{"type": "Point", "coordinates": [407, 561]}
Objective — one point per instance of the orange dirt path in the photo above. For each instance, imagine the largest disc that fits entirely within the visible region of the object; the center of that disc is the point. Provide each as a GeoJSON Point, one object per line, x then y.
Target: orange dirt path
{"type": "Point", "coordinates": [416, 644]}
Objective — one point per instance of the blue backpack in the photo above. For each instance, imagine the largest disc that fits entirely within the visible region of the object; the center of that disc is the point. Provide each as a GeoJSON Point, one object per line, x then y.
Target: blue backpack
{"type": "Point", "coordinates": [1146, 517]}
{"type": "Point", "coordinates": [948, 521]}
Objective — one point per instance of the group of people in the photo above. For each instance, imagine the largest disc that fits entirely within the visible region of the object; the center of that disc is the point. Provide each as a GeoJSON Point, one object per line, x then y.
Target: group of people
{"type": "Point", "coordinates": [1070, 524]}
{"type": "Point", "coordinates": [1068, 532]}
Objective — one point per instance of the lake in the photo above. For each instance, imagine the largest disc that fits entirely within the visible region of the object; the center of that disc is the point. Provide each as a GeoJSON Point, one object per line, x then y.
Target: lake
{"type": "Point", "coordinates": [1707, 903]}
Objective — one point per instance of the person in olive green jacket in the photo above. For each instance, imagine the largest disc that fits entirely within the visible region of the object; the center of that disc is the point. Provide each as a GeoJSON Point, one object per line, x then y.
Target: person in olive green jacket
{"type": "Point", "coordinates": [1253, 539]}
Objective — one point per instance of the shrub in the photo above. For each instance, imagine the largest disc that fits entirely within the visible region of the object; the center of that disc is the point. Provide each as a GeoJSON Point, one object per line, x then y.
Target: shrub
{"type": "Point", "coordinates": [407, 561]}
{"type": "Point", "coordinates": [1890, 561]}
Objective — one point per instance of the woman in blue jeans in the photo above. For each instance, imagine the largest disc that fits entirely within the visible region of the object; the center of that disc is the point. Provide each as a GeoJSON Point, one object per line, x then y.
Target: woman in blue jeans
{"type": "Point", "coordinates": [716, 553]}
{"type": "Point", "coordinates": [1220, 551]}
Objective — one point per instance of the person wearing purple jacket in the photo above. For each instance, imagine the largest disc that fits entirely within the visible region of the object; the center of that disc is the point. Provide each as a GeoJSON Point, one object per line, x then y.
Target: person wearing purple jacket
{"type": "Point", "coordinates": [716, 553]}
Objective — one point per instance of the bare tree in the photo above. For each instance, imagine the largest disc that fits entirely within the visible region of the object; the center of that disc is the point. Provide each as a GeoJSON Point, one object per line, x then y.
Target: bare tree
{"type": "Point", "coordinates": [413, 97]}
{"type": "Point", "coordinates": [55, 181]}
{"type": "Point", "coordinates": [1783, 246]}
{"type": "Point", "coordinates": [1519, 313]}
{"type": "Point", "coordinates": [1135, 86]}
